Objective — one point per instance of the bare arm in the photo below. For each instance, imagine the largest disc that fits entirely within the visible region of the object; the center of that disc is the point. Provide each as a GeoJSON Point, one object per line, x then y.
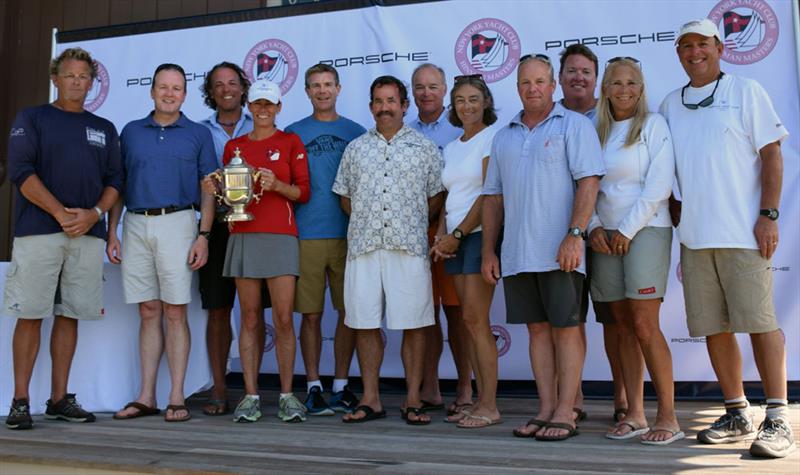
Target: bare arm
{"type": "Point", "coordinates": [435, 204]}
{"type": "Point", "coordinates": [344, 201]}
{"type": "Point", "coordinates": [766, 230]}
{"type": "Point", "coordinates": [34, 191]}
{"type": "Point", "coordinates": [198, 254]}
{"type": "Point", "coordinates": [491, 221]}
{"type": "Point", "coordinates": [85, 219]}
{"type": "Point", "coordinates": [113, 246]}
{"type": "Point", "coordinates": [572, 248]}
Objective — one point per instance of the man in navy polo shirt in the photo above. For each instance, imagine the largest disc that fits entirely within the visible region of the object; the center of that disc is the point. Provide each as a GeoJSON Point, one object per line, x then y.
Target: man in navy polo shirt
{"type": "Point", "coordinates": [65, 163]}
{"type": "Point", "coordinates": [165, 156]}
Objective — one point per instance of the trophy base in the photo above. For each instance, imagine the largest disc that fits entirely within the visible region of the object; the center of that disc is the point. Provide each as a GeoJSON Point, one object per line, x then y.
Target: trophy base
{"type": "Point", "coordinates": [234, 217]}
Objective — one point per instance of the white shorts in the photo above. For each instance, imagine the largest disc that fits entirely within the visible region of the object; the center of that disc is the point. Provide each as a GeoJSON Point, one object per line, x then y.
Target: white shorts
{"type": "Point", "coordinates": [155, 257]}
{"type": "Point", "coordinates": [55, 274]}
{"type": "Point", "coordinates": [393, 282]}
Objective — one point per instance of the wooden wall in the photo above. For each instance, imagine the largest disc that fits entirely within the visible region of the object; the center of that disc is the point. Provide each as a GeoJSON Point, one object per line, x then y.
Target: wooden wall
{"type": "Point", "coordinates": [25, 45]}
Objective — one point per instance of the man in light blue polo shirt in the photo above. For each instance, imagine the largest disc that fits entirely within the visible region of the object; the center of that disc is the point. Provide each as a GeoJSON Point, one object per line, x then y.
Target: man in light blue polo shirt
{"type": "Point", "coordinates": [429, 87]}
{"type": "Point", "coordinates": [542, 182]}
{"type": "Point", "coordinates": [165, 157]}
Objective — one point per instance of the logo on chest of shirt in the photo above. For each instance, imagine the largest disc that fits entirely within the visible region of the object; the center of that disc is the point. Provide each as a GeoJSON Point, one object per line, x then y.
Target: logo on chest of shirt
{"type": "Point", "coordinates": [489, 47]}
{"type": "Point", "coordinates": [326, 144]}
{"type": "Point", "coordinates": [749, 29]}
{"type": "Point", "coordinates": [96, 137]}
{"type": "Point", "coordinates": [17, 132]}
{"type": "Point", "coordinates": [273, 155]}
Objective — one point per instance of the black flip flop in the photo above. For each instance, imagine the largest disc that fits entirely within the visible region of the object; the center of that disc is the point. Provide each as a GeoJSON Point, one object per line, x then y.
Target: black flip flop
{"type": "Point", "coordinates": [143, 411]}
{"type": "Point", "coordinates": [370, 414]}
{"type": "Point", "coordinates": [571, 432]}
{"type": "Point", "coordinates": [417, 412]}
{"type": "Point", "coordinates": [580, 414]}
{"type": "Point", "coordinates": [429, 406]}
{"type": "Point", "coordinates": [531, 422]}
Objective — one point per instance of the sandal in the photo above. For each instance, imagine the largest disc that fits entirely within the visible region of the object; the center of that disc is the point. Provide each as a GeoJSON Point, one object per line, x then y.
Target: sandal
{"type": "Point", "coordinates": [572, 431]}
{"type": "Point", "coordinates": [418, 412]}
{"type": "Point", "coordinates": [483, 421]}
{"type": "Point", "coordinates": [531, 422]}
{"type": "Point", "coordinates": [141, 408]}
{"type": "Point", "coordinates": [633, 432]}
{"type": "Point", "coordinates": [369, 415]}
{"type": "Point", "coordinates": [216, 407]}
{"type": "Point", "coordinates": [620, 413]}
{"type": "Point", "coordinates": [175, 408]}
{"type": "Point", "coordinates": [456, 408]}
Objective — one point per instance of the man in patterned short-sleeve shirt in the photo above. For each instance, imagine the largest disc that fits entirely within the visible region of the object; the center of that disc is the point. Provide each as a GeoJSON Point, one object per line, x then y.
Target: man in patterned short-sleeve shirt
{"type": "Point", "coordinates": [388, 180]}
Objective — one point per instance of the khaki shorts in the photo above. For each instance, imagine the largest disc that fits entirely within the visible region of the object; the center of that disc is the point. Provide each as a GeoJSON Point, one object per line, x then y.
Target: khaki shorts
{"type": "Point", "coordinates": [391, 282]}
{"type": "Point", "coordinates": [639, 275]}
{"type": "Point", "coordinates": [52, 274]}
{"type": "Point", "coordinates": [155, 257]}
{"type": "Point", "coordinates": [727, 291]}
{"type": "Point", "coordinates": [320, 258]}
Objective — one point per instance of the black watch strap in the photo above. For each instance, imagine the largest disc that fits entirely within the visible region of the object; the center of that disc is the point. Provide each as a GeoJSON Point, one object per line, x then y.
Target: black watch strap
{"type": "Point", "coordinates": [771, 213]}
{"type": "Point", "coordinates": [205, 234]}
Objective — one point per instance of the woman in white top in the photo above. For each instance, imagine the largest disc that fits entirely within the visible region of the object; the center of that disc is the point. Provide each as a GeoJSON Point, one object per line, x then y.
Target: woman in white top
{"type": "Point", "coordinates": [459, 239]}
{"type": "Point", "coordinates": [631, 237]}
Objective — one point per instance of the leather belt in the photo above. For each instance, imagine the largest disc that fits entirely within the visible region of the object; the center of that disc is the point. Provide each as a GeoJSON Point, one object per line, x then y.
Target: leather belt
{"type": "Point", "coordinates": [160, 211]}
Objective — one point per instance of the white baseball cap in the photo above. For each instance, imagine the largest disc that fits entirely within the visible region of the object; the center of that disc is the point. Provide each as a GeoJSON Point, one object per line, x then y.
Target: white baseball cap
{"type": "Point", "coordinates": [263, 89]}
{"type": "Point", "coordinates": [704, 27]}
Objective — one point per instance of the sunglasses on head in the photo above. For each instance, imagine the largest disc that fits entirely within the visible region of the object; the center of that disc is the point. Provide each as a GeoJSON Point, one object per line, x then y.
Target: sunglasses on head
{"type": "Point", "coordinates": [628, 58]}
{"type": "Point", "coordinates": [467, 77]}
{"type": "Point", "coordinates": [539, 56]}
{"type": "Point", "coordinates": [705, 102]}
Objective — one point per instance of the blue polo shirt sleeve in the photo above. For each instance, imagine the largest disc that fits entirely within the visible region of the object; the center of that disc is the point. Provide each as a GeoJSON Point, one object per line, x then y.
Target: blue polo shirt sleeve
{"type": "Point", "coordinates": [114, 175]}
{"type": "Point", "coordinates": [493, 184]}
{"type": "Point", "coordinates": [584, 154]}
{"type": "Point", "coordinates": [22, 151]}
{"type": "Point", "coordinates": [207, 160]}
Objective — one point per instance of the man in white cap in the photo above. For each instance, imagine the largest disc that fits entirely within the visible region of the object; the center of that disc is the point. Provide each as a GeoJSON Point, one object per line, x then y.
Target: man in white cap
{"type": "Point", "coordinates": [729, 231]}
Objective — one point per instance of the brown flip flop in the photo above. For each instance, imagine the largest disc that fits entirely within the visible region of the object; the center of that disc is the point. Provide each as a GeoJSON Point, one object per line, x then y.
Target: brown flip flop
{"type": "Point", "coordinates": [175, 408]}
{"type": "Point", "coordinates": [143, 411]}
{"type": "Point", "coordinates": [531, 422]}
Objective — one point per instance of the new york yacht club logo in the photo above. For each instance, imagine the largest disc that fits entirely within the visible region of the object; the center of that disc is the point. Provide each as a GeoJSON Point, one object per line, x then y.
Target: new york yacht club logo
{"type": "Point", "coordinates": [489, 47]}
{"type": "Point", "coordinates": [274, 60]}
{"type": "Point", "coordinates": [749, 29]}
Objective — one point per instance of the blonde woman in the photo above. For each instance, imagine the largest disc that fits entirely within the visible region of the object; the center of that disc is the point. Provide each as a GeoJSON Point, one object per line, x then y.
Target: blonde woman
{"type": "Point", "coordinates": [631, 237]}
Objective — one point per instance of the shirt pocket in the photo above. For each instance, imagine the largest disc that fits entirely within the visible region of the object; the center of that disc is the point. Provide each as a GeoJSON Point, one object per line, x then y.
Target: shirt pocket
{"type": "Point", "coordinates": [551, 150]}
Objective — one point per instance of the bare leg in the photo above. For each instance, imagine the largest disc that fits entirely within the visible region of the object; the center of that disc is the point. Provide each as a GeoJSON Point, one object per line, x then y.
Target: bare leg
{"type": "Point", "coordinates": [569, 364]}
{"type": "Point", "coordinates": [632, 364]}
{"type": "Point", "coordinates": [769, 350]}
{"type": "Point", "coordinates": [412, 350]}
{"type": "Point", "coordinates": [218, 341]}
{"type": "Point", "coordinates": [370, 357]}
{"type": "Point", "coordinates": [27, 337]}
{"type": "Point", "coordinates": [434, 345]}
{"type": "Point", "coordinates": [251, 331]}
{"type": "Point", "coordinates": [178, 344]}
{"type": "Point", "coordinates": [726, 359]}
{"type": "Point", "coordinates": [63, 340]}
{"type": "Point", "coordinates": [543, 364]}
{"type": "Point", "coordinates": [460, 346]}
{"type": "Point", "coordinates": [612, 346]}
{"type": "Point", "coordinates": [344, 345]}
{"type": "Point", "coordinates": [151, 347]}
{"type": "Point", "coordinates": [281, 292]}
{"type": "Point", "coordinates": [311, 344]}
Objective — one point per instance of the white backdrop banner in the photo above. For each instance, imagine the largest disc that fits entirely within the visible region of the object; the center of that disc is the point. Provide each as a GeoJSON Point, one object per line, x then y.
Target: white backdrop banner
{"type": "Point", "coordinates": [466, 37]}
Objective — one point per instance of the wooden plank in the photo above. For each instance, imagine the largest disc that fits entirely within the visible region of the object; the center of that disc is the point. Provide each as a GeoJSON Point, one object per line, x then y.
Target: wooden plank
{"type": "Point", "coordinates": [220, 6]}
{"type": "Point", "coordinates": [194, 7]}
{"type": "Point", "coordinates": [143, 10]}
{"type": "Point", "coordinates": [168, 9]}
{"type": "Point", "coordinates": [74, 15]}
{"type": "Point", "coordinates": [247, 4]}
{"type": "Point", "coordinates": [217, 445]}
{"type": "Point", "coordinates": [120, 12]}
{"type": "Point", "coordinates": [97, 13]}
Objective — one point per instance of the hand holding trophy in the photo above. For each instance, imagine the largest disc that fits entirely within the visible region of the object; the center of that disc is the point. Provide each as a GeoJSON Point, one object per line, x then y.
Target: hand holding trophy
{"type": "Point", "coordinates": [235, 183]}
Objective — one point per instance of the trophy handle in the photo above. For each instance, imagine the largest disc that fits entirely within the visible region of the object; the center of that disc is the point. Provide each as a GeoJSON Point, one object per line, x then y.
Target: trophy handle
{"type": "Point", "coordinates": [257, 179]}
{"type": "Point", "coordinates": [217, 177]}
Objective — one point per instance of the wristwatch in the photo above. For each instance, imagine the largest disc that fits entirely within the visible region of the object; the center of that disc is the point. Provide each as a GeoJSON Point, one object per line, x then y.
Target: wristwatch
{"type": "Point", "coordinates": [205, 234]}
{"type": "Point", "coordinates": [458, 234]}
{"type": "Point", "coordinates": [771, 213]}
{"type": "Point", "coordinates": [575, 232]}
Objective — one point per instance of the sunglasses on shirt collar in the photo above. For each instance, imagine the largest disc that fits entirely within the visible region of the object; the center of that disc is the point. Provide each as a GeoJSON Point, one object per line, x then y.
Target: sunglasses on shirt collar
{"type": "Point", "coordinates": [705, 102]}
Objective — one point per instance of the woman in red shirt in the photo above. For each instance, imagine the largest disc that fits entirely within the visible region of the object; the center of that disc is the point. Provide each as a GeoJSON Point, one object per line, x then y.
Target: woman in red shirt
{"type": "Point", "coordinates": [267, 248]}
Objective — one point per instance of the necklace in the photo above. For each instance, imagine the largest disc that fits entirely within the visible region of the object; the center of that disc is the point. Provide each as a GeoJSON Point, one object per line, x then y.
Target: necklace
{"type": "Point", "coordinates": [226, 124]}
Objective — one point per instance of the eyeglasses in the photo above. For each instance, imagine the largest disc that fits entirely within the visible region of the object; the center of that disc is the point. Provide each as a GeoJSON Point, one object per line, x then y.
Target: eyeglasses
{"type": "Point", "coordinates": [627, 58]}
{"type": "Point", "coordinates": [73, 77]}
{"type": "Point", "coordinates": [467, 77]}
{"type": "Point", "coordinates": [705, 102]}
{"type": "Point", "coordinates": [539, 56]}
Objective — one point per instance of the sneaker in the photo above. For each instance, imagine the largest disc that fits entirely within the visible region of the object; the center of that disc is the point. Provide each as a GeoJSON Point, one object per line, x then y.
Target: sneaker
{"type": "Point", "coordinates": [315, 403]}
{"type": "Point", "coordinates": [67, 409]}
{"type": "Point", "coordinates": [248, 409]}
{"type": "Point", "coordinates": [731, 427]}
{"type": "Point", "coordinates": [19, 417]}
{"type": "Point", "coordinates": [344, 401]}
{"type": "Point", "coordinates": [290, 409]}
{"type": "Point", "coordinates": [774, 439]}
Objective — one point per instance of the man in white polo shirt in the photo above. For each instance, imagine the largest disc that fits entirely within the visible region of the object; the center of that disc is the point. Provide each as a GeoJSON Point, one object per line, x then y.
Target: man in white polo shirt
{"type": "Point", "coordinates": [729, 168]}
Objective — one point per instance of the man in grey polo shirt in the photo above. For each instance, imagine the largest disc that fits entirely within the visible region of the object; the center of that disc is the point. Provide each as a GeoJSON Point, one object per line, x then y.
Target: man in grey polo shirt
{"type": "Point", "coordinates": [543, 178]}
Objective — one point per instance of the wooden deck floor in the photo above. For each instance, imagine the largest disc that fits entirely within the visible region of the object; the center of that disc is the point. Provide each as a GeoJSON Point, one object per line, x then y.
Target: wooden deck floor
{"type": "Point", "coordinates": [325, 445]}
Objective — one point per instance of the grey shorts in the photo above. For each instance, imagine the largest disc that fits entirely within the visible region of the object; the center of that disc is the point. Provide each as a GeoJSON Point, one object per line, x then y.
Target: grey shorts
{"type": "Point", "coordinates": [641, 274]}
{"type": "Point", "coordinates": [53, 274]}
{"type": "Point", "coordinates": [727, 291]}
{"type": "Point", "coordinates": [602, 312]}
{"type": "Point", "coordinates": [261, 256]}
{"type": "Point", "coordinates": [536, 297]}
